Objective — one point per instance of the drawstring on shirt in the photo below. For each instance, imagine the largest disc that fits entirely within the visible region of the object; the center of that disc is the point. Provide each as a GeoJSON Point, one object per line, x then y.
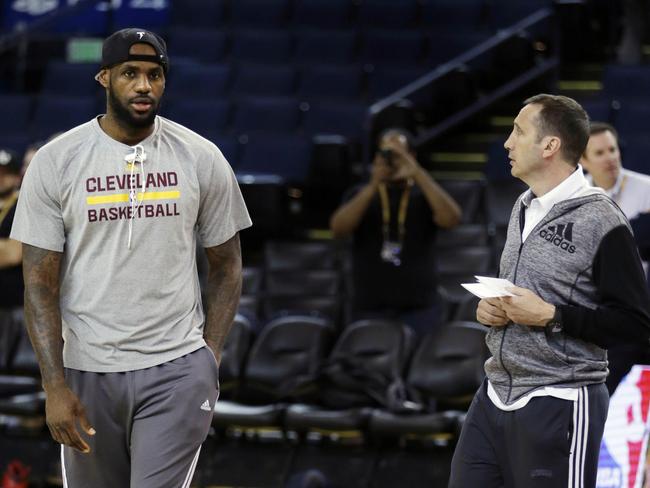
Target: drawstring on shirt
{"type": "Point", "coordinates": [138, 156]}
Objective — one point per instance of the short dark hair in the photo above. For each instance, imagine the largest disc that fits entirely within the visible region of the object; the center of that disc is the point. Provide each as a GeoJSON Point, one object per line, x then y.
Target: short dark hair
{"type": "Point", "coordinates": [565, 118]}
{"type": "Point", "coordinates": [599, 127]}
{"type": "Point", "coordinates": [399, 131]}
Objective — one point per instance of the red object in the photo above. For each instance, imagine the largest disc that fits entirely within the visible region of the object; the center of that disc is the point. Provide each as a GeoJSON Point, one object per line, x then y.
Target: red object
{"type": "Point", "coordinates": [16, 475]}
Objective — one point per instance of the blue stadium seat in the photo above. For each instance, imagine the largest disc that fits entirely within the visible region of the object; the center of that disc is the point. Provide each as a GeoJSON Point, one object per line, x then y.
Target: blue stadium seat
{"type": "Point", "coordinates": [278, 154]}
{"type": "Point", "coordinates": [635, 152]}
{"type": "Point", "coordinates": [331, 81]}
{"type": "Point", "coordinates": [383, 82]}
{"type": "Point", "coordinates": [19, 107]}
{"type": "Point", "coordinates": [456, 15]}
{"type": "Point", "coordinates": [70, 79]}
{"type": "Point", "coordinates": [266, 114]}
{"type": "Point", "coordinates": [446, 45]}
{"type": "Point", "coordinates": [498, 166]}
{"type": "Point", "coordinates": [205, 45]}
{"type": "Point", "coordinates": [325, 46]}
{"type": "Point", "coordinates": [199, 14]}
{"type": "Point", "coordinates": [504, 13]}
{"type": "Point", "coordinates": [633, 119]}
{"type": "Point", "coordinates": [57, 114]}
{"type": "Point", "coordinates": [626, 81]}
{"type": "Point", "coordinates": [206, 117]}
{"type": "Point", "coordinates": [198, 80]}
{"type": "Point", "coordinates": [261, 45]}
{"type": "Point", "coordinates": [229, 146]}
{"type": "Point", "coordinates": [388, 13]}
{"type": "Point", "coordinates": [259, 13]}
{"type": "Point", "coordinates": [328, 14]}
{"type": "Point", "coordinates": [392, 47]}
{"type": "Point", "coordinates": [345, 119]}
{"type": "Point", "coordinates": [253, 79]}
{"type": "Point", "coordinates": [602, 110]}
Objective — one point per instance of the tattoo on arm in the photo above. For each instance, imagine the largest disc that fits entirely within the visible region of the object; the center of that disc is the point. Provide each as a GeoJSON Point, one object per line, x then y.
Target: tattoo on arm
{"type": "Point", "coordinates": [223, 291]}
{"type": "Point", "coordinates": [41, 270]}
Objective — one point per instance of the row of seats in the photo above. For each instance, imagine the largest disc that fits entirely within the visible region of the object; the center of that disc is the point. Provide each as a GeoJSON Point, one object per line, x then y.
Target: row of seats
{"type": "Point", "coordinates": [386, 47]}
{"type": "Point", "coordinates": [209, 82]}
{"type": "Point", "coordinates": [346, 13]}
{"type": "Point", "coordinates": [298, 376]}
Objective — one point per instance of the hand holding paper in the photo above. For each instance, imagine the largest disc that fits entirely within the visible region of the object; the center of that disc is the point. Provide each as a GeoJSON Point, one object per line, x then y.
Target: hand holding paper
{"type": "Point", "coordinates": [488, 287]}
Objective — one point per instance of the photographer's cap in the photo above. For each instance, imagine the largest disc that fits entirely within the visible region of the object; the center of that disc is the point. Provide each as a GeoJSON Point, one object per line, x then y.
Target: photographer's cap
{"type": "Point", "coordinates": [116, 47]}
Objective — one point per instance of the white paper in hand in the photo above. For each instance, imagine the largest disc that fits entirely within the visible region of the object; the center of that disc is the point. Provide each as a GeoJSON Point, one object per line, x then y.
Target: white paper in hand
{"type": "Point", "coordinates": [488, 287]}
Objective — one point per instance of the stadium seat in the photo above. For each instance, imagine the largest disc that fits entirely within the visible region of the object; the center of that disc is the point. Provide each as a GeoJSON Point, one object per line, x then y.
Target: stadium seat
{"type": "Point", "coordinates": [302, 282]}
{"type": "Point", "coordinates": [255, 79]}
{"type": "Point", "coordinates": [212, 13]}
{"type": "Point", "coordinates": [385, 47]}
{"type": "Point", "coordinates": [388, 13]}
{"type": "Point", "coordinates": [635, 153]}
{"type": "Point", "coordinates": [324, 14]}
{"type": "Point", "coordinates": [331, 81]}
{"type": "Point", "coordinates": [277, 154]}
{"type": "Point", "coordinates": [467, 15]}
{"type": "Point", "coordinates": [626, 81]}
{"type": "Point", "coordinates": [325, 46]}
{"type": "Point", "coordinates": [445, 372]}
{"type": "Point", "coordinates": [72, 80]}
{"type": "Point", "coordinates": [198, 81]}
{"type": "Point", "coordinates": [252, 278]}
{"type": "Point", "coordinates": [367, 361]}
{"type": "Point", "coordinates": [205, 45]}
{"type": "Point", "coordinates": [283, 255]}
{"type": "Point", "coordinates": [261, 46]}
{"type": "Point", "coordinates": [268, 114]}
{"type": "Point", "coordinates": [282, 365]}
{"type": "Point", "coordinates": [463, 235]}
{"type": "Point", "coordinates": [20, 108]}
{"type": "Point", "coordinates": [498, 164]}
{"type": "Point", "coordinates": [385, 81]}
{"type": "Point", "coordinates": [55, 114]}
{"type": "Point", "coordinates": [233, 356]}
{"type": "Point", "coordinates": [633, 119]}
{"type": "Point", "coordinates": [259, 13]}
{"type": "Point", "coordinates": [206, 117]}
{"type": "Point", "coordinates": [470, 195]}
{"type": "Point", "coordinates": [328, 307]}
{"type": "Point", "coordinates": [345, 119]}
{"type": "Point", "coordinates": [446, 45]}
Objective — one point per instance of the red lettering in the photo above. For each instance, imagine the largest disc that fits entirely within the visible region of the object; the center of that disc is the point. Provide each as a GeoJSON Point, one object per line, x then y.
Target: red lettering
{"type": "Point", "coordinates": [92, 215]}
{"type": "Point", "coordinates": [91, 185]}
{"type": "Point", "coordinates": [172, 178]}
{"type": "Point", "coordinates": [110, 183]}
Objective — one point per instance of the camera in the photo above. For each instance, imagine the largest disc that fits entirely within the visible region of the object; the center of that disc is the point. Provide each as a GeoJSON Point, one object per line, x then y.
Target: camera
{"type": "Point", "coordinates": [388, 156]}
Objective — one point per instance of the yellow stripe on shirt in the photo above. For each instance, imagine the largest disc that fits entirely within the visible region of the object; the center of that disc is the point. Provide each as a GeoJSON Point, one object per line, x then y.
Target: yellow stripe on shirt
{"type": "Point", "coordinates": [124, 197]}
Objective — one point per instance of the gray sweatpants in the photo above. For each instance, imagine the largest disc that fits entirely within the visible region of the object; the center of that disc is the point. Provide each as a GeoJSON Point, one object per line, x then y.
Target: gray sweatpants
{"type": "Point", "coordinates": [150, 424]}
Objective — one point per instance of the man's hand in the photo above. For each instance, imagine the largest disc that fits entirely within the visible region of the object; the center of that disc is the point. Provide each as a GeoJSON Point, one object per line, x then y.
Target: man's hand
{"type": "Point", "coordinates": [489, 312]}
{"type": "Point", "coordinates": [62, 410]}
{"type": "Point", "coordinates": [405, 164]}
{"type": "Point", "coordinates": [526, 308]}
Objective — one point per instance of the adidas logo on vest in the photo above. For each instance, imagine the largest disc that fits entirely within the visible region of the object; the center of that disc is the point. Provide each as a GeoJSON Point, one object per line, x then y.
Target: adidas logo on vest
{"type": "Point", "coordinates": [560, 235]}
{"type": "Point", "coordinates": [206, 406]}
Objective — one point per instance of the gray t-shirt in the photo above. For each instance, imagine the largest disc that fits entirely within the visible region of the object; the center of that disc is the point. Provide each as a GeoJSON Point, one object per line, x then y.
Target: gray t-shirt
{"type": "Point", "coordinates": [126, 309]}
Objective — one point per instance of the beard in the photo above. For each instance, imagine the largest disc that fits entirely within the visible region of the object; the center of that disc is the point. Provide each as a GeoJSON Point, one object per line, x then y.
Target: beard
{"type": "Point", "coordinates": [125, 117]}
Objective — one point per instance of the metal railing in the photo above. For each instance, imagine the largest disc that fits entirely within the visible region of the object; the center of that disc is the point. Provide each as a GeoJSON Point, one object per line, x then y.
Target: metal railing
{"type": "Point", "coordinates": [538, 32]}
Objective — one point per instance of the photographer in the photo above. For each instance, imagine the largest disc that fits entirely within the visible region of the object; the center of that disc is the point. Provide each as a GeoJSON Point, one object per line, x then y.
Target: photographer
{"type": "Point", "coordinates": [393, 220]}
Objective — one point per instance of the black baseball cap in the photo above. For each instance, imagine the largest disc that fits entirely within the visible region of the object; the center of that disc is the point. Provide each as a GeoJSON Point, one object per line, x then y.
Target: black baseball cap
{"type": "Point", "coordinates": [10, 161]}
{"type": "Point", "coordinates": [116, 48]}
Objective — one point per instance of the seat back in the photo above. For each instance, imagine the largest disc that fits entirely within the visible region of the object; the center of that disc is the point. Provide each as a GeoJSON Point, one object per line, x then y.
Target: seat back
{"type": "Point", "coordinates": [233, 355]}
{"type": "Point", "coordinates": [447, 366]}
{"type": "Point", "coordinates": [300, 255]}
{"type": "Point", "coordinates": [366, 362]}
{"type": "Point", "coordinates": [285, 359]}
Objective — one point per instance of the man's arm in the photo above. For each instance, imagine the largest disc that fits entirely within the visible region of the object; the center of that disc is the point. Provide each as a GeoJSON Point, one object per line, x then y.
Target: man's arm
{"type": "Point", "coordinates": [446, 212]}
{"type": "Point", "coordinates": [623, 314]}
{"type": "Point", "coordinates": [223, 292]}
{"type": "Point", "coordinates": [41, 270]}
